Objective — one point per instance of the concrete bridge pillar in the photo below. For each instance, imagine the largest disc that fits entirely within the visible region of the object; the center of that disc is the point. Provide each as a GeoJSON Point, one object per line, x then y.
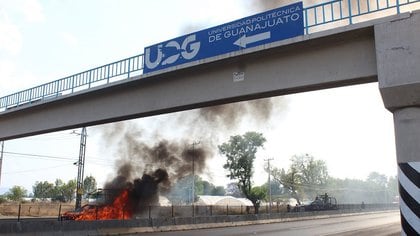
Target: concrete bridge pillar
{"type": "Point", "coordinates": [398, 63]}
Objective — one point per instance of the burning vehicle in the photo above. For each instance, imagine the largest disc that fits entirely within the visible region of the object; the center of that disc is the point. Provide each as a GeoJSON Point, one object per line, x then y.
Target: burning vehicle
{"type": "Point", "coordinates": [121, 203]}
{"type": "Point", "coordinates": [73, 215]}
{"type": "Point", "coordinates": [116, 210]}
{"type": "Point", "coordinates": [322, 202]}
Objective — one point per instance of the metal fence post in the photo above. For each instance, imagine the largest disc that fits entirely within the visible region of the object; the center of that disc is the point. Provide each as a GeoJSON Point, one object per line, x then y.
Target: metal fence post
{"type": "Point", "coordinates": [150, 212]}
{"type": "Point", "coordinates": [150, 216]}
{"type": "Point", "coordinates": [227, 210]}
{"type": "Point", "coordinates": [172, 211]}
{"type": "Point", "coordinates": [20, 206]}
{"type": "Point", "coordinates": [59, 213]}
{"type": "Point", "coordinates": [398, 6]}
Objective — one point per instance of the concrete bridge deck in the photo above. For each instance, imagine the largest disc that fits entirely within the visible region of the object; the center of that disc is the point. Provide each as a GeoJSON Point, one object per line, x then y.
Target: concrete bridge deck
{"type": "Point", "coordinates": [332, 58]}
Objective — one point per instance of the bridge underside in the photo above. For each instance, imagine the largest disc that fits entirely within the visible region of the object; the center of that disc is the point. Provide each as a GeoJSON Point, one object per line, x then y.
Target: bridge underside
{"type": "Point", "coordinates": [332, 58]}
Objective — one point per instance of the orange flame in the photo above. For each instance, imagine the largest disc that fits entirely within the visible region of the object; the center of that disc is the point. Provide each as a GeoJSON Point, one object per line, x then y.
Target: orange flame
{"type": "Point", "coordinates": [118, 210]}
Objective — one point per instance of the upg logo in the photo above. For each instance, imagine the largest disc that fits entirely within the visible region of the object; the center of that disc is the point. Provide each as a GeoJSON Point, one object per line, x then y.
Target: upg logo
{"type": "Point", "coordinates": [171, 53]}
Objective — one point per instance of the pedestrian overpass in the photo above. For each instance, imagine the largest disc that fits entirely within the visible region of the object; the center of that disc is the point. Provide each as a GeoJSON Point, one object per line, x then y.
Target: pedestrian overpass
{"type": "Point", "coordinates": [384, 50]}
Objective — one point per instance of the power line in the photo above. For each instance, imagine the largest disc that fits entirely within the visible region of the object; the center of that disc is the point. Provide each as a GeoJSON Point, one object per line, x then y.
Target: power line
{"type": "Point", "coordinates": [39, 156]}
{"type": "Point", "coordinates": [46, 168]}
{"type": "Point", "coordinates": [100, 164]}
{"type": "Point", "coordinates": [92, 161]}
{"type": "Point", "coordinates": [51, 136]}
{"type": "Point", "coordinates": [34, 170]}
{"type": "Point", "coordinates": [25, 155]}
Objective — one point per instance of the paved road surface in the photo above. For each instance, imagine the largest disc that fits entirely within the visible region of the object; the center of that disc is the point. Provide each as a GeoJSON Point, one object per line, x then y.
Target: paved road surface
{"type": "Point", "coordinates": [362, 225]}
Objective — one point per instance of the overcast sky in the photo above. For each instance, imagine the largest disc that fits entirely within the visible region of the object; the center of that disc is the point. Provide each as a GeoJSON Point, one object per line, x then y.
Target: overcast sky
{"type": "Point", "coordinates": [41, 41]}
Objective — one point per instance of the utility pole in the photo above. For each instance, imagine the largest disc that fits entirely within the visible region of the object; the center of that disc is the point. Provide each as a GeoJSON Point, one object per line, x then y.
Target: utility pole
{"type": "Point", "coordinates": [1, 157]}
{"type": "Point", "coordinates": [269, 180]}
{"type": "Point", "coordinates": [193, 175]}
{"type": "Point", "coordinates": [81, 168]}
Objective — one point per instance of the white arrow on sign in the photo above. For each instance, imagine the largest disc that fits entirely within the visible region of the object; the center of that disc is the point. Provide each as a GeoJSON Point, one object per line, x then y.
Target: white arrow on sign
{"type": "Point", "coordinates": [244, 40]}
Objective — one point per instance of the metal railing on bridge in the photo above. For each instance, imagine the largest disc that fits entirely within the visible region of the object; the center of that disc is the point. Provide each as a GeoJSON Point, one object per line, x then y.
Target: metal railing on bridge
{"type": "Point", "coordinates": [83, 80]}
{"type": "Point", "coordinates": [317, 17]}
{"type": "Point", "coordinates": [350, 11]}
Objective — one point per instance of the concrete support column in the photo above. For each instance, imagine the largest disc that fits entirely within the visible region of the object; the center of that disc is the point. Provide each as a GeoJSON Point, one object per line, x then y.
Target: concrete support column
{"type": "Point", "coordinates": [398, 62]}
{"type": "Point", "coordinates": [407, 136]}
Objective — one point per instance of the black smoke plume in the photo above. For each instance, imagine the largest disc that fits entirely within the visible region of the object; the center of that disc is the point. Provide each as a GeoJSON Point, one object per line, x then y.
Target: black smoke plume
{"type": "Point", "coordinates": [148, 169]}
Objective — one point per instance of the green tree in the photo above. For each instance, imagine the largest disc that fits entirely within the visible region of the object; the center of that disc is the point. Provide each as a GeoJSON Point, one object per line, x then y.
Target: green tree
{"type": "Point", "coordinates": [68, 190]}
{"type": "Point", "coordinates": [257, 194]}
{"type": "Point", "coordinates": [392, 188]}
{"type": "Point", "coordinates": [377, 184]}
{"type": "Point", "coordinates": [89, 184]}
{"type": "Point", "coordinates": [203, 187]}
{"type": "Point", "coordinates": [16, 193]}
{"type": "Point", "coordinates": [3, 199]}
{"type": "Point", "coordinates": [57, 193]}
{"type": "Point", "coordinates": [240, 152]}
{"type": "Point", "coordinates": [200, 186]}
{"type": "Point", "coordinates": [218, 191]}
{"type": "Point", "coordinates": [312, 174]}
{"type": "Point", "coordinates": [43, 190]}
{"type": "Point", "coordinates": [306, 177]}
{"type": "Point", "coordinates": [207, 187]}
{"type": "Point", "coordinates": [290, 181]}
{"type": "Point", "coordinates": [377, 179]}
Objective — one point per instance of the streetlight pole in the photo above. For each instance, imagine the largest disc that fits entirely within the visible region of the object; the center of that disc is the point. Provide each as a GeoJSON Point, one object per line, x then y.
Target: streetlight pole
{"type": "Point", "coordinates": [193, 174]}
{"type": "Point", "coordinates": [269, 180]}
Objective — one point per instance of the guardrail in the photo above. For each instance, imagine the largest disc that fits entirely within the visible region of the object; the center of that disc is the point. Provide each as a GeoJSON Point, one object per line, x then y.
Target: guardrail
{"type": "Point", "coordinates": [315, 16]}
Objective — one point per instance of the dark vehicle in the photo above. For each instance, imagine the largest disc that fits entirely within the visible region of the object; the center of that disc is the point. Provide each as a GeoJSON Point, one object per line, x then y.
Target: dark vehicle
{"type": "Point", "coordinates": [321, 203]}
{"type": "Point", "coordinates": [72, 215]}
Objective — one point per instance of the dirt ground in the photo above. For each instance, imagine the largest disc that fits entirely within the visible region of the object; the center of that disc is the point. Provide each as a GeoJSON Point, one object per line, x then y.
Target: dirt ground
{"type": "Point", "coordinates": [38, 209]}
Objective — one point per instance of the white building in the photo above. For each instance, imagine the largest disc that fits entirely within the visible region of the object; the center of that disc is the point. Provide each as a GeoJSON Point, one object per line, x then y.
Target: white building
{"type": "Point", "coordinates": [207, 200]}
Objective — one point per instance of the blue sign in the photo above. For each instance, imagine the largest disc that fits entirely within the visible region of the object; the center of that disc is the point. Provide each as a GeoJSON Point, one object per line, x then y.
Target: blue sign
{"type": "Point", "coordinates": [274, 25]}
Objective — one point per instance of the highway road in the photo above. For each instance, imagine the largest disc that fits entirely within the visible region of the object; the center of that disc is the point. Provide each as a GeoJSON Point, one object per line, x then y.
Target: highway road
{"type": "Point", "coordinates": [384, 223]}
